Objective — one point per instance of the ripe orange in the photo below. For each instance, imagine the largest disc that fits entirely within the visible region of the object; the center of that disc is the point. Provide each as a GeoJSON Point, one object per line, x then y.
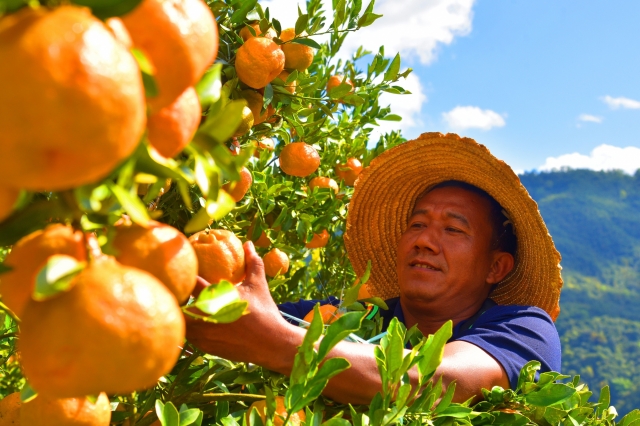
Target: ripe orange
{"type": "Point", "coordinates": [254, 102]}
{"type": "Point", "coordinates": [10, 410]}
{"type": "Point", "coordinates": [329, 314]}
{"type": "Point", "coordinates": [29, 255]}
{"type": "Point", "coordinates": [349, 172]}
{"type": "Point", "coordinates": [281, 413]}
{"type": "Point", "coordinates": [323, 182]}
{"type": "Point", "coordinates": [318, 240]}
{"type": "Point", "coordinates": [336, 80]}
{"type": "Point", "coordinates": [8, 198]}
{"type": "Point", "coordinates": [246, 34]}
{"type": "Point", "coordinates": [258, 61]}
{"type": "Point", "coordinates": [276, 262]}
{"type": "Point", "coordinates": [116, 330]}
{"type": "Point", "coordinates": [237, 190]}
{"type": "Point", "coordinates": [289, 87]}
{"type": "Point", "coordinates": [262, 241]}
{"type": "Point", "coordinates": [297, 56]}
{"type": "Point", "coordinates": [171, 128]}
{"type": "Point", "coordinates": [299, 159]}
{"type": "Point", "coordinates": [160, 250]}
{"type": "Point", "coordinates": [68, 63]}
{"type": "Point", "coordinates": [180, 39]}
{"type": "Point", "coordinates": [220, 255]}
{"type": "Point", "coordinates": [45, 410]}
{"type": "Point", "coordinates": [246, 124]}
{"type": "Point", "coordinates": [263, 144]}
{"type": "Point", "coordinates": [119, 31]}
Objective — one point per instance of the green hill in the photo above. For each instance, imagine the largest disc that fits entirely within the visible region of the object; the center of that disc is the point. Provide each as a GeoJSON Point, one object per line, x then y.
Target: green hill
{"type": "Point", "coordinates": [595, 222]}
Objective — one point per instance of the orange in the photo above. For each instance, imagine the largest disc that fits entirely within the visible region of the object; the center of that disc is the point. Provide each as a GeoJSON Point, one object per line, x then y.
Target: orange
{"type": "Point", "coordinates": [117, 330]}
{"type": "Point", "coordinates": [171, 129]}
{"type": "Point", "coordinates": [220, 255]}
{"type": "Point", "coordinates": [299, 159]}
{"type": "Point", "coordinates": [246, 124]}
{"type": "Point", "coordinates": [297, 56]}
{"type": "Point", "coordinates": [323, 182]}
{"type": "Point", "coordinates": [329, 314]}
{"type": "Point", "coordinates": [237, 190]}
{"type": "Point", "coordinates": [90, 110]}
{"type": "Point", "coordinates": [10, 410]}
{"type": "Point", "coordinates": [336, 80]}
{"type": "Point", "coordinates": [119, 31]}
{"type": "Point", "coordinates": [246, 34]}
{"type": "Point", "coordinates": [254, 102]}
{"type": "Point", "coordinates": [289, 87]}
{"type": "Point", "coordinates": [45, 410]}
{"type": "Point", "coordinates": [296, 419]}
{"type": "Point", "coordinates": [258, 61]}
{"type": "Point", "coordinates": [276, 262]}
{"type": "Point", "coordinates": [8, 199]}
{"type": "Point", "coordinates": [29, 255]}
{"type": "Point", "coordinates": [180, 39]}
{"type": "Point", "coordinates": [262, 241]}
{"type": "Point", "coordinates": [264, 144]}
{"type": "Point", "coordinates": [349, 172]}
{"type": "Point", "coordinates": [318, 240]}
{"type": "Point", "coordinates": [160, 250]}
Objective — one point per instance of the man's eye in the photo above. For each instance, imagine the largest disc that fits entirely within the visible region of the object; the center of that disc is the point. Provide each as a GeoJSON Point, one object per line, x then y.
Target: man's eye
{"type": "Point", "coordinates": [450, 229]}
{"type": "Point", "coordinates": [417, 225]}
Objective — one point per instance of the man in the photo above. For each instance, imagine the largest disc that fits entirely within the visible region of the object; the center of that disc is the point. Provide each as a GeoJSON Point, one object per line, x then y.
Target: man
{"type": "Point", "coordinates": [436, 217]}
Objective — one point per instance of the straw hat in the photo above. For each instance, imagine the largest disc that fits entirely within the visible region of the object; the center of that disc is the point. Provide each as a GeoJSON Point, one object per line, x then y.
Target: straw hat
{"type": "Point", "coordinates": [387, 190]}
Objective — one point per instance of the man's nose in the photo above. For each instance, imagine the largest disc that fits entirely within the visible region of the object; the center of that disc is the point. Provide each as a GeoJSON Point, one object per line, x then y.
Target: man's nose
{"type": "Point", "coordinates": [428, 239]}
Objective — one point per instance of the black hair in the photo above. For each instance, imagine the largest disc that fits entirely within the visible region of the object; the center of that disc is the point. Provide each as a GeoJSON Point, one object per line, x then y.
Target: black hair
{"type": "Point", "coordinates": [504, 238]}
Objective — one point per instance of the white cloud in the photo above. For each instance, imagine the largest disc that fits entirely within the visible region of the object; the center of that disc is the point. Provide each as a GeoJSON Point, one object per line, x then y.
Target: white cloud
{"type": "Point", "coordinates": [414, 28]}
{"type": "Point", "coordinates": [621, 102]}
{"type": "Point", "coordinates": [603, 157]}
{"type": "Point", "coordinates": [472, 117]}
{"type": "Point", "coordinates": [590, 118]}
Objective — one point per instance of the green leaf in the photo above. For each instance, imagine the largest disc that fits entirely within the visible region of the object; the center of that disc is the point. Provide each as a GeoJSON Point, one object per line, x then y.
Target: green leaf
{"type": "Point", "coordinates": [368, 19]}
{"type": "Point", "coordinates": [433, 352]}
{"type": "Point", "coordinates": [219, 127]}
{"type": "Point", "coordinates": [527, 373]}
{"type": "Point", "coordinates": [56, 276]}
{"type": "Point", "coordinates": [633, 416]}
{"type": "Point", "coordinates": [445, 401]}
{"type": "Point", "coordinates": [209, 87]}
{"type": "Point", "coordinates": [552, 394]}
{"type": "Point", "coordinates": [168, 414]}
{"type": "Point", "coordinates": [104, 9]}
{"type": "Point", "coordinates": [188, 417]}
{"type": "Point", "coordinates": [394, 67]}
{"type": "Point", "coordinates": [306, 41]}
{"type": "Point", "coordinates": [353, 99]}
{"type": "Point", "coordinates": [337, 421]}
{"type": "Point", "coordinates": [340, 91]}
{"type": "Point", "coordinates": [603, 401]}
{"type": "Point", "coordinates": [146, 70]}
{"type": "Point", "coordinates": [131, 204]}
{"type": "Point", "coordinates": [338, 330]}
{"type": "Point", "coordinates": [241, 13]}
{"type": "Point", "coordinates": [391, 117]}
{"type": "Point", "coordinates": [301, 23]}
{"type": "Point", "coordinates": [27, 393]}
{"type": "Point", "coordinates": [213, 209]}
{"type": "Point", "coordinates": [217, 296]}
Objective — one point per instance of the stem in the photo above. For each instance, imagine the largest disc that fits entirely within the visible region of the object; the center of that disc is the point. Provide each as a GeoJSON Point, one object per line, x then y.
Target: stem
{"type": "Point", "coordinates": [199, 398]}
{"type": "Point", "coordinates": [180, 374]}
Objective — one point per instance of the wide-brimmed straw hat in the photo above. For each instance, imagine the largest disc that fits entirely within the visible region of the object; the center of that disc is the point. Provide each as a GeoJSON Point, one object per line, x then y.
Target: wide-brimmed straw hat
{"type": "Point", "coordinates": [385, 194]}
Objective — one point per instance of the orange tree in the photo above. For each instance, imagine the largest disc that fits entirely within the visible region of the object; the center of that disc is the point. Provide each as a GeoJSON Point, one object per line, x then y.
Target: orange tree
{"type": "Point", "coordinates": [174, 123]}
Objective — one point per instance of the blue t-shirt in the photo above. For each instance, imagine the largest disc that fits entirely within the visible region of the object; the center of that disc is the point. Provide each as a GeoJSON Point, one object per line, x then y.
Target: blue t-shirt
{"type": "Point", "coordinates": [512, 334]}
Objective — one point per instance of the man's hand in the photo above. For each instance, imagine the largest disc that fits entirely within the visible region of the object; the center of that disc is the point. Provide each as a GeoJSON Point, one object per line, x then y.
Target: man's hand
{"type": "Point", "coordinates": [260, 337]}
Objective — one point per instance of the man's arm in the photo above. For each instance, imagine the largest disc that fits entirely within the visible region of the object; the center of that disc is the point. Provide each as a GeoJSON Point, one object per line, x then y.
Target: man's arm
{"type": "Point", "coordinates": [264, 338]}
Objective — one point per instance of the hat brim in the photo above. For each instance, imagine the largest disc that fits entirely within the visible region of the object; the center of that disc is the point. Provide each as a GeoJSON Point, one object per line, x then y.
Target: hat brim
{"type": "Point", "coordinates": [385, 194]}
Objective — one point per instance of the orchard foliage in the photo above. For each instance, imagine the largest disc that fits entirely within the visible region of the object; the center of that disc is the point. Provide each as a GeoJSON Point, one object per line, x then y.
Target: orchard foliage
{"type": "Point", "coordinates": [207, 390]}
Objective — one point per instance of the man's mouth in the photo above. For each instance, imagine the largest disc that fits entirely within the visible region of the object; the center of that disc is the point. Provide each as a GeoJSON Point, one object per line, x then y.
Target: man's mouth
{"type": "Point", "coordinates": [423, 265]}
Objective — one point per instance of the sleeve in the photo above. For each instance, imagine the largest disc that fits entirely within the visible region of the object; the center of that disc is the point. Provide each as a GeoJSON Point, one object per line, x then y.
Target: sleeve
{"type": "Point", "coordinates": [515, 335]}
{"type": "Point", "coordinates": [301, 308]}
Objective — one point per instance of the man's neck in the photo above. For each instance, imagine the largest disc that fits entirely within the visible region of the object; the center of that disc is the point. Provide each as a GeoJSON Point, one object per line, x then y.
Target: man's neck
{"type": "Point", "coordinates": [430, 316]}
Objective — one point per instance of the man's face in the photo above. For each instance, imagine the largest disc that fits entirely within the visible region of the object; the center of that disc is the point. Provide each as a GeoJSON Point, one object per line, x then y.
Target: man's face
{"type": "Point", "coordinates": [444, 254]}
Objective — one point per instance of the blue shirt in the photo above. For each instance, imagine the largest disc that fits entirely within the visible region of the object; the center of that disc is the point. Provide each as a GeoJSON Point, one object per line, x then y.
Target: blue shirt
{"type": "Point", "coordinates": [512, 334]}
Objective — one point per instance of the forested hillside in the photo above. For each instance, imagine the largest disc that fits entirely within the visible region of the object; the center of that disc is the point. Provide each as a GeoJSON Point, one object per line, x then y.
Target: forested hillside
{"type": "Point", "coordinates": [594, 218]}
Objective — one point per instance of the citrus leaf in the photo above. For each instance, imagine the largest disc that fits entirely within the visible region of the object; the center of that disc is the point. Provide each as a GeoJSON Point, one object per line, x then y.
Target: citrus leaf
{"type": "Point", "coordinates": [131, 204]}
{"type": "Point", "coordinates": [56, 276]}
{"type": "Point", "coordinates": [241, 13]}
{"type": "Point", "coordinates": [339, 91]}
{"type": "Point", "coordinates": [338, 330]}
{"type": "Point", "coordinates": [221, 126]}
{"type": "Point", "coordinates": [215, 298]}
{"type": "Point", "coordinates": [551, 394]}
{"type": "Point", "coordinates": [301, 23]}
{"type": "Point", "coordinates": [368, 19]}
{"type": "Point", "coordinates": [391, 117]}
{"type": "Point", "coordinates": [170, 415]}
{"type": "Point", "coordinates": [306, 41]}
{"type": "Point", "coordinates": [188, 417]}
{"type": "Point", "coordinates": [353, 100]}
{"type": "Point", "coordinates": [209, 87]}
{"type": "Point", "coordinates": [27, 393]}
{"type": "Point", "coordinates": [394, 67]}
{"type": "Point", "coordinates": [146, 70]}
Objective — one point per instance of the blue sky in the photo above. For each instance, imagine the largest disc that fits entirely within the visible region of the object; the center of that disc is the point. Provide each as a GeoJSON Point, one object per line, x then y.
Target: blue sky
{"type": "Point", "coordinates": [542, 83]}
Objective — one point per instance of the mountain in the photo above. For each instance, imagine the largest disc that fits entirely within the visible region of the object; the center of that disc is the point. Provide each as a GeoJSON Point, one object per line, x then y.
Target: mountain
{"type": "Point", "coordinates": [594, 218]}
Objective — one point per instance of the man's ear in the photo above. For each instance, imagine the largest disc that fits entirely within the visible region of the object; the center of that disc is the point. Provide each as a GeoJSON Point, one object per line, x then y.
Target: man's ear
{"type": "Point", "coordinates": [502, 264]}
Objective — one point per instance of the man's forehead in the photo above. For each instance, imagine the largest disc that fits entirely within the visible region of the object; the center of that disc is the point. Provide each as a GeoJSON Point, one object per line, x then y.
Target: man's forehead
{"type": "Point", "coordinates": [458, 202]}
